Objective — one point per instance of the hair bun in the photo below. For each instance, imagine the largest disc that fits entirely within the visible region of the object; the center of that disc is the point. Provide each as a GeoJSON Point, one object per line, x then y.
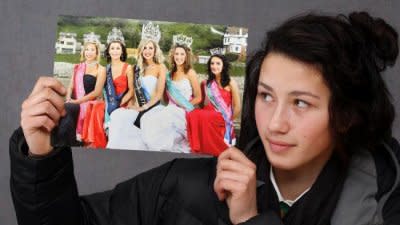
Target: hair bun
{"type": "Point", "coordinates": [380, 38]}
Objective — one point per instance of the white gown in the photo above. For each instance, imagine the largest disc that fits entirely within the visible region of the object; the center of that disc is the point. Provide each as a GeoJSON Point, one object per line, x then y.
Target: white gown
{"type": "Point", "coordinates": [165, 130]}
{"type": "Point", "coordinates": [123, 134]}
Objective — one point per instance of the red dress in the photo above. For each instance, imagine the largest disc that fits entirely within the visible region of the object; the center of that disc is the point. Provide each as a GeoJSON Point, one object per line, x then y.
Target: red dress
{"type": "Point", "coordinates": [206, 127]}
{"type": "Point", "coordinates": [94, 135]}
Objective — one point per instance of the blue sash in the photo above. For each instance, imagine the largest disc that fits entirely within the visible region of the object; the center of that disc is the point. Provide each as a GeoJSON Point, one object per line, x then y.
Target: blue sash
{"type": "Point", "coordinates": [176, 97]}
{"type": "Point", "coordinates": [112, 99]}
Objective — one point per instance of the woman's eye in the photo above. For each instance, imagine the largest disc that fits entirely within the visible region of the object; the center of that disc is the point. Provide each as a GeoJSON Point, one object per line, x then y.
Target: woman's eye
{"type": "Point", "coordinates": [267, 97]}
{"type": "Point", "coordinates": [301, 104]}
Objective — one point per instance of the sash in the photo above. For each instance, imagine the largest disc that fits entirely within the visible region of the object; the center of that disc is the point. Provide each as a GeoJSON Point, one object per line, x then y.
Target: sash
{"type": "Point", "coordinates": [79, 92]}
{"type": "Point", "coordinates": [175, 96]}
{"type": "Point", "coordinates": [142, 95]}
{"type": "Point", "coordinates": [111, 98]}
{"type": "Point", "coordinates": [220, 105]}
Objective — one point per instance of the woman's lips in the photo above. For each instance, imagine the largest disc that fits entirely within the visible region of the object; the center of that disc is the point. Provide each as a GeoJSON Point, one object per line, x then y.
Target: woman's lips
{"type": "Point", "coordinates": [279, 146]}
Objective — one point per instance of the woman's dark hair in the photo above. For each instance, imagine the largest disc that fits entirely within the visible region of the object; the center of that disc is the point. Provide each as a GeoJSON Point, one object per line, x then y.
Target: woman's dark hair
{"type": "Point", "coordinates": [350, 52]}
{"type": "Point", "coordinates": [124, 54]}
{"type": "Point", "coordinates": [225, 78]}
{"type": "Point", "coordinates": [188, 60]}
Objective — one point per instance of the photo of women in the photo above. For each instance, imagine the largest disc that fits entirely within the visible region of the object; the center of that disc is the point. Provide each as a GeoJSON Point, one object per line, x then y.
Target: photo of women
{"type": "Point", "coordinates": [144, 99]}
{"type": "Point", "coordinates": [210, 130]}
{"type": "Point", "coordinates": [166, 128]}
{"type": "Point", "coordinates": [149, 81]}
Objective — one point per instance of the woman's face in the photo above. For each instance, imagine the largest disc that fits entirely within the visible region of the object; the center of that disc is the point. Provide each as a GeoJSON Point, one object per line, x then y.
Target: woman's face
{"type": "Point", "coordinates": [216, 65]}
{"type": "Point", "coordinates": [115, 50]}
{"type": "Point", "coordinates": [179, 56]}
{"type": "Point", "coordinates": [90, 52]}
{"type": "Point", "coordinates": [291, 111]}
{"type": "Point", "coordinates": [148, 51]}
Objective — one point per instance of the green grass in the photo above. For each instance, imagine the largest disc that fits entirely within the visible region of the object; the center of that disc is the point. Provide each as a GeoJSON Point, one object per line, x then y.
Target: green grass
{"type": "Point", "coordinates": [69, 58]}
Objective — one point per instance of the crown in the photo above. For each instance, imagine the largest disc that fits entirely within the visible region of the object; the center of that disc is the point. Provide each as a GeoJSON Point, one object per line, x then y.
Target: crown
{"type": "Point", "coordinates": [91, 38]}
{"type": "Point", "coordinates": [115, 35]}
{"type": "Point", "coordinates": [217, 51]}
{"type": "Point", "coordinates": [181, 39]}
{"type": "Point", "coordinates": [151, 32]}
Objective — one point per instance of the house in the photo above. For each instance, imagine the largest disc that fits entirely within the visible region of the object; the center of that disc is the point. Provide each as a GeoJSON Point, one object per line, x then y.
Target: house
{"type": "Point", "coordinates": [67, 43]}
{"type": "Point", "coordinates": [235, 40]}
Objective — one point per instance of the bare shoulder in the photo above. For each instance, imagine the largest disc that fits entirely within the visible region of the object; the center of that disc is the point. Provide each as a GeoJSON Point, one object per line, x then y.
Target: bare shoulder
{"type": "Point", "coordinates": [233, 83]}
{"type": "Point", "coordinates": [192, 74]}
{"type": "Point", "coordinates": [161, 70]}
{"type": "Point", "coordinates": [101, 68]}
{"type": "Point", "coordinates": [161, 67]}
{"type": "Point", "coordinates": [129, 67]}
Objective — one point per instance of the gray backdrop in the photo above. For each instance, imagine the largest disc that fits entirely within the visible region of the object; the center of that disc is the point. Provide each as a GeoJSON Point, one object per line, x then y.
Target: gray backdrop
{"type": "Point", "coordinates": [27, 48]}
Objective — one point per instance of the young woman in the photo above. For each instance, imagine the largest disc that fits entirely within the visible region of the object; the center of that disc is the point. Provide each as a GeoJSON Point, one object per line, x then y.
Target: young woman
{"type": "Point", "coordinates": [317, 129]}
{"type": "Point", "coordinates": [86, 85]}
{"type": "Point", "coordinates": [210, 129]}
{"type": "Point", "coordinates": [149, 84]}
{"type": "Point", "coordinates": [166, 129]}
{"type": "Point", "coordinates": [118, 93]}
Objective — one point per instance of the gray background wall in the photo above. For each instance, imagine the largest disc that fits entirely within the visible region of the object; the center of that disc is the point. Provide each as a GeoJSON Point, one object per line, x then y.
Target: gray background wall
{"type": "Point", "coordinates": [27, 40]}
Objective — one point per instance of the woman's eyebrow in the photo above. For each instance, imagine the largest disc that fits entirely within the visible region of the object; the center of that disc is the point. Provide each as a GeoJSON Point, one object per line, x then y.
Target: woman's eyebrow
{"type": "Point", "coordinates": [266, 86]}
{"type": "Point", "coordinates": [293, 93]}
{"type": "Point", "coordinates": [298, 93]}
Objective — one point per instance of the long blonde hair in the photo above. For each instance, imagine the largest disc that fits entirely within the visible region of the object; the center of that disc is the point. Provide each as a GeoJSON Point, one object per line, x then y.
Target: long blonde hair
{"type": "Point", "coordinates": [158, 57]}
{"type": "Point", "coordinates": [84, 49]}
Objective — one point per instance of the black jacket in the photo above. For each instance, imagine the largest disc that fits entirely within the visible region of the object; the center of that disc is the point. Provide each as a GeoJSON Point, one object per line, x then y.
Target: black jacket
{"type": "Point", "coordinates": [44, 192]}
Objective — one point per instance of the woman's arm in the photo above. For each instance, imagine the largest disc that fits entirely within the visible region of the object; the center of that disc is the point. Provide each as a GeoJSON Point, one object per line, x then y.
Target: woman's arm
{"type": "Point", "coordinates": [203, 93]}
{"type": "Point", "coordinates": [128, 95]}
{"type": "Point", "coordinates": [100, 81]}
{"type": "Point", "coordinates": [68, 96]}
{"type": "Point", "coordinates": [192, 75]}
{"type": "Point", "coordinates": [236, 105]}
{"type": "Point", "coordinates": [159, 88]}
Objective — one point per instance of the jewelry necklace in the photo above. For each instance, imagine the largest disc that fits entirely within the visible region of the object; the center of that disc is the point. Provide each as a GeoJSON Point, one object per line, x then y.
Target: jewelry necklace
{"type": "Point", "coordinates": [93, 63]}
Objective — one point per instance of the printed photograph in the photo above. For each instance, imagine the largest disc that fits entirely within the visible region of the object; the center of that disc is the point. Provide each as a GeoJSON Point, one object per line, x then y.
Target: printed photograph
{"type": "Point", "coordinates": [149, 85]}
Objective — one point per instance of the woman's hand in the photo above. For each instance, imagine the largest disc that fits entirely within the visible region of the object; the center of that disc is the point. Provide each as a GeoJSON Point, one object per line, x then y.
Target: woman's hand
{"type": "Point", "coordinates": [235, 182]}
{"type": "Point", "coordinates": [136, 108]}
{"type": "Point", "coordinates": [125, 99]}
{"type": "Point", "coordinates": [41, 112]}
{"type": "Point", "coordinates": [74, 101]}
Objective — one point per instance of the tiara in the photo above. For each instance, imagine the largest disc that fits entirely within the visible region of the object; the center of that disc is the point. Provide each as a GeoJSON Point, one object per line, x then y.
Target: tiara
{"type": "Point", "coordinates": [151, 32]}
{"type": "Point", "coordinates": [181, 39]}
{"type": "Point", "coordinates": [91, 38]}
{"type": "Point", "coordinates": [115, 35]}
{"type": "Point", "coordinates": [217, 51]}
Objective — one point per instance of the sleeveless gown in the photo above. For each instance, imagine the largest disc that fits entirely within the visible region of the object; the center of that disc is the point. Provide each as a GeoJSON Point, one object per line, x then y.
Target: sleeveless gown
{"type": "Point", "coordinates": [65, 133]}
{"type": "Point", "coordinates": [123, 134]}
{"type": "Point", "coordinates": [206, 127]}
{"type": "Point", "coordinates": [165, 130]}
{"type": "Point", "coordinates": [94, 134]}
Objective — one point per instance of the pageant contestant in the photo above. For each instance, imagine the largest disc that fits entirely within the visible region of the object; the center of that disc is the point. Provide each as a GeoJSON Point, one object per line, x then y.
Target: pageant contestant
{"type": "Point", "coordinates": [118, 90]}
{"type": "Point", "coordinates": [317, 123]}
{"type": "Point", "coordinates": [149, 83]}
{"type": "Point", "coordinates": [210, 129]}
{"type": "Point", "coordinates": [166, 129]}
{"type": "Point", "coordinates": [86, 83]}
